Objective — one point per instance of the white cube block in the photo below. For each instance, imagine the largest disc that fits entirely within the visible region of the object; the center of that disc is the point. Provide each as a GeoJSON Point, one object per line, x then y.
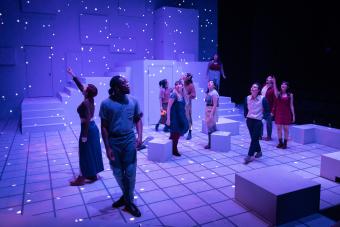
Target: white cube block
{"type": "Point", "coordinates": [220, 141]}
{"type": "Point", "coordinates": [277, 195]}
{"type": "Point", "coordinates": [303, 133]}
{"type": "Point", "coordinates": [160, 150]}
{"type": "Point", "coordinates": [228, 125]}
{"type": "Point", "coordinates": [327, 136]}
{"type": "Point", "coordinates": [224, 124]}
{"type": "Point", "coordinates": [330, 166]}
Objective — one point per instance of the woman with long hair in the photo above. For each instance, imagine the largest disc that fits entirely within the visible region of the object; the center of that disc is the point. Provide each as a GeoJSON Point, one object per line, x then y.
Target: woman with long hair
{"type": "Point", "coordinates": [189, 94]}
{"type": "Point", "coordinates": [90, 154]}
{"type": "Point", "coordinates": [211, 117]}
{"type": "Point", "coordinates": [176, 117]}
{"type": "Point", "coordinates": [283, 111]}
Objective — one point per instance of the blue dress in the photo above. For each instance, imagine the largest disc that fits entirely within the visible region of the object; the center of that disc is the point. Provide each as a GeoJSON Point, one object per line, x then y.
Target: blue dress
{"type": "Point", "coordinates": [178, 120]}
{"type": "Point", "coordinates": [90, 153]}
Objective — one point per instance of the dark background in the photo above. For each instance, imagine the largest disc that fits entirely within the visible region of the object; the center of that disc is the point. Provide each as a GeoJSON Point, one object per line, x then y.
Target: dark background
{"type": "Point", "coordinates": [296, 41]}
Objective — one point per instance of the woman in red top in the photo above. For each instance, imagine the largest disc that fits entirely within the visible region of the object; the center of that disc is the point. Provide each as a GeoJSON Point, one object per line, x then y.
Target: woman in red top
{"type": "Point", "coordinates": [283, 111]}
{"type": "Point", "coordinates": [215, 70]}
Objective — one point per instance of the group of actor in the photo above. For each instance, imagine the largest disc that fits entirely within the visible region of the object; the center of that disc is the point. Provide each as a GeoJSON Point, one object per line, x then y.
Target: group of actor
{"type": "Point", "coordinates": [120, 115]}
{"type": "Point", "coordinates": [268, 104]}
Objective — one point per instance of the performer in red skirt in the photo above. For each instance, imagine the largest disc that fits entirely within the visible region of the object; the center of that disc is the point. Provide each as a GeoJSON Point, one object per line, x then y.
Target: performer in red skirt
{"type": "Point", "coordinates": [283, 111]}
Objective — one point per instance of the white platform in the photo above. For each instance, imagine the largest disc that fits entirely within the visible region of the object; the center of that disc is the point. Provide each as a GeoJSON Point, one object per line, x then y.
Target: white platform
{"type": "Point", "coordinates": [303, 133]}
{"type": "Point", "coordinates": [225, 125]}
{"type": "Point", "coordinates": [220, 141]}
{"type": "Point", "coordinates": [277, 195]}
{"type": "Point", "coordinates": [160, 150]}
{"type": "Point", "coordinates": [311, 133]}
{"type": "Point", "coordinates": [330, 166]}
{"type": "Point", "coordinates": [42, 114]}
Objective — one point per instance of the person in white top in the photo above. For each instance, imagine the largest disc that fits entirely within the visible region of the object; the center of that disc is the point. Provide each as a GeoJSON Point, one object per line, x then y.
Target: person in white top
{"type": "Point", "coordinates": [255, 109]}
{"type": "Point", "coordinates": [211, 117]}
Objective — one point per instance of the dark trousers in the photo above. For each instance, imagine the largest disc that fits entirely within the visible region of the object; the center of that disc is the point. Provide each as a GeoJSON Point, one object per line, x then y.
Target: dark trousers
{"type": "Point", "coordinates": [125, 164]}
{"type": "Point", "coordinates": [269, 126]}
{"type": "Point", "coordinates": [254, 127]}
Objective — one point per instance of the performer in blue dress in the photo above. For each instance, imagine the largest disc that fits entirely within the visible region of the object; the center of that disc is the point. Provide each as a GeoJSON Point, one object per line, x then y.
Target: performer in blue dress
{"type": "Point", "coordinates": [90, 154]}
{"type": "Point", "coordinates": [176, 116]}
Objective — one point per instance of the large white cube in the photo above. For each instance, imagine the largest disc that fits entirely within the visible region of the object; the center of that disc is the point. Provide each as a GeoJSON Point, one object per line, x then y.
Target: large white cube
{"type": "Point", "coordinates": [303, 133]}
{"type": "Point", "coordinates": [220, 141]}
{"type": "Point", "coordinates": [327, 136]}
{"type": "Point", "coordinates": [330, 166]}
{"type": "Point", "coordinates": [160, 150]}
{"type": "Point", "coordinates": [225, 125]}
{"type": "Point", "coordinates": [277, 195]}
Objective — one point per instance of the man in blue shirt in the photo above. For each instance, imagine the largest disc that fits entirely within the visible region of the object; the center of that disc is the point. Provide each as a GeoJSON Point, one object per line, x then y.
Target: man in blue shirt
{"type": "Point", "coordinates": [119, 114]}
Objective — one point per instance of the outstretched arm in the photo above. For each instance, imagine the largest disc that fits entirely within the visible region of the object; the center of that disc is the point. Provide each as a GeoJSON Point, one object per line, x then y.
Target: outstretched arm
{"type": "Point", "coordinates": [75, 79]}
{"type": "Point", "coordinates": [222, 72]}
{"type": "Point", "coordinates": [292, 107]}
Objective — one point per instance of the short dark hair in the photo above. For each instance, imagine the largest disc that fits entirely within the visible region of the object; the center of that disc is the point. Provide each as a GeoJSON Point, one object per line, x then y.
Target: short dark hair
{"type": "Point", "coordinates": [189, 79]}
{"type": "Point", "coordinates": [114, 82]}
{"type": "Point", "coordinates": [162, 83]}
{"type": "Point", "coordinates": [91, 90]}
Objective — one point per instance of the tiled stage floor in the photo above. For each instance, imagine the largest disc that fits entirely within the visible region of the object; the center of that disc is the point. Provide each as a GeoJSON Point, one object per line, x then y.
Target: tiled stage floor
{"type": "Point", "coordinates": [196, 189]}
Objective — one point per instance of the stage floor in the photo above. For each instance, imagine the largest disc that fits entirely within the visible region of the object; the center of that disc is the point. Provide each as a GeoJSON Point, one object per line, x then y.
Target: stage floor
{"type": "Point", "coordinates": [196, 189]}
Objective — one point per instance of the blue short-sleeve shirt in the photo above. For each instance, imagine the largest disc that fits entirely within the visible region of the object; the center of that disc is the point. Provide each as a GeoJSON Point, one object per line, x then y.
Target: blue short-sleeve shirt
{"type": "Point", "coordinates": [121, 115]}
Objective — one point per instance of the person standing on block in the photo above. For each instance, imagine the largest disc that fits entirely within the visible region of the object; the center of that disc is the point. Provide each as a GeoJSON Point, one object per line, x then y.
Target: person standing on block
{"type": "Point", "coordinates": [211, 117]}
{"type": "Point", "coordinates": [119, 114]}
{"type": "Point", "coordinates": [268, 92]}
{"type": "Point", "coordinates": [215, 70]}
{"type": "Point", "coordinates": [164, 94]}
{"type": "Point", "coordinates": [176, 118]}
{"type": "Point", "coordinates": [283, 112]}
{"type": "Point", "coordinates": [255, 109]}
{"type": "Point", "coordinates": [90, 153]}
{"type": "Point", "coordinates": [189, 94]}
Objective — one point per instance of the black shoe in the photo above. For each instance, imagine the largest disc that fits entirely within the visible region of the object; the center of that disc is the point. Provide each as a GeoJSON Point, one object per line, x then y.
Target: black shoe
{"type": "Point", "coordinates": [119, 203]}
{"type": "Point", "coordinates": [247, 160]}
{"type": "Point", "coordinates": [141, 147]}
{"type": "Point", "coordinates": [176, 154]}
{"type": "Point", "coordinates": [133, 210]}
{"type": "Point", "coordinates": [189, 136]}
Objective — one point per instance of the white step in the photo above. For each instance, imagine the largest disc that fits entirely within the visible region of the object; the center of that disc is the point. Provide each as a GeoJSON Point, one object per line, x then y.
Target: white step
{"type": "Point", "coordinates": [235, 117]}
{"type": "Point", "coordinates": [63, 97]}
{"type": "Point", "coordinates": [40, 103]}
{"type": "Point", "coordinates": [226, 105]}
{"type": "Point", "coordinates": [43, 120]}
{"type": "Point", "coordinates": [43, 113]}
{"type": "Point", "coordinates": [224, 99]}
{"type": "Point", "coordinates": [43, 127]}
{"type": "Point", "coordinates": [227, 111]}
